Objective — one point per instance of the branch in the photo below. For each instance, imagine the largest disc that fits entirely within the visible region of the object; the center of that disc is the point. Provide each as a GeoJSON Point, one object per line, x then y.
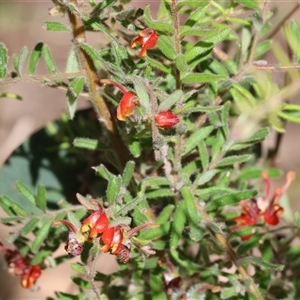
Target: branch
{"type": "Point", "coordinates": [121, 152]}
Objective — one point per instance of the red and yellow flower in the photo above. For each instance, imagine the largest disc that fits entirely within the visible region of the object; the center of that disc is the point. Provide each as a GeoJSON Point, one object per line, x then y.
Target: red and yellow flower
{"type": "Point", "coordinates": [18, 265]}
{"type": "Point", "coordinates": [266, 207]}
{"type": "Point", "coordinates": [147, 39]}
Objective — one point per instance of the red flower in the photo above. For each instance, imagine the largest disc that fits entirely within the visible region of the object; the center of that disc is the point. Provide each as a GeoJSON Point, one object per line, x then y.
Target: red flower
{"type": "Point", "coordinates": [127, 103]}
{"type": "Point", "coordinates": [268, 208]}
{"type": "Point", "coordinates": [18, 265]}
{"type": "Point", "coordinates": [250, 216]}
{"type": "Point", "coordinates": [147, 38]}
{"type": "Point", "coordinates": [96, 223]}
{"type": "Point", "coordinates": [126, 106]}
{"type": "Point", "coordinates": [166, 119]}
{"type": "Point", "coordinates": [112, 239]}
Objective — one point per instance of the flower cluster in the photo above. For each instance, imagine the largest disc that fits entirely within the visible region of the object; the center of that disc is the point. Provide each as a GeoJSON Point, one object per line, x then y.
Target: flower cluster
{"type": "Point", "coordinates": [18, 265]}
{"type": "Point", "coordinates": [126, 107]}
{"type": "Point", "coordinates": [266, 207]}
{"type": "Point", "coordinates": [115, 239]}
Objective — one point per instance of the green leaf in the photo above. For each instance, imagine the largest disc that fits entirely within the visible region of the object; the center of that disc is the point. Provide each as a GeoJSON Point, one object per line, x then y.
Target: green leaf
{"type": "Point", "coordinates": [202, 78]}
{"type": "Point", "coordinates": [20, 60]}
{"type": "Point", "coordinates": [3, 60]}
{"type": "Point", "coordinates": [203, 178]}
{"type": "Point", "coordinates": [5, 203]}
{"type": "Point", "coordinates": [157, 287]}
{"type": "Point", "coordinates": [129, 206]}
{"type": "Point", "coordinates": [171, 100]}
{"type": "Point", "coordinates": [103, 172]}
{"type": "Point", "coordinates": [55, 26]}
{"type": "Point", "coordinates": [72, 62]}
{"type": "Point", "coordinates": [40, 257]}
{"type": "Point", "coordinates": [228, 292]}
{"type": "Point", "coordinates": [34, 58]}
{"type": "Point", "coordinates": [262, 48]}
{"type": "Point", "coordinates": [218, 144]}
{"type": "Point", "coordinates": [75, 88]}
{"type": "Point", "coordinates": [78, 268]}
{"type": "Point", "coordinates": [81, 282]}
{"type": "Point", "coordinates": [224, 119]}
{"type": "Point", "coordinates": [166, 46]}
{"type": "Point", "coordinates": [11, 95]}
{"type": "Point", "coordinates": [204, 109]}
{"type": "Point", "coordinates": [142, 93]}
{"type": "Point", "coordinates": [135, 148]}
{"type": "Point", "coordinates": [194, 140]}
{"type": "Point", "coordinates": [90, 144]}
{"type": "Point", "coordinates": [190, 206]}
{"type": "Point", "coordinates": [195, 16]}
{"type": "Point", "coordinates": [261, 263]}
{"type": "Point", "coordinates": [178, 224]}
{"type": "Point", "coordinates": [234, 159]}
{"type": "Point", "coordinates": [94, 55]}
{"type": "Point", "coordinates": [249, 3]}
{"type": "Point", "coordinates": [113, 189]}
{"type": "Point", "coordinates": [204, 156]}
{"type": "Point", "coordinates": [165, 215]}
{"type": "Point", "coordinates": [159, 193]}
{"type": "Point", "coordinates": [246, 38]}
{"type": "Point", "coordinates": [41, 198]}
{"type": "Point", "coordinates": [30, 225]}
{"type": "Point", "coordinates": [161, 25]}
{"type": "Point", "coordinates": [181, 63]}
{"type": "Point", "coordinates": [155, 233]}
{"type": "Point", "coordinates": [158, 65]}
{"type": "Point", "coordinates": [41, 235]}
{"type": "Point", "coordinates": [128, 172]}
{"type": "Point", "coordinates": [25, 192]}
{"type": "Point", "coordinates": [255, 172]}
{"type": "Point", "coordinates": [206, 44]}
{"type": "Point", "coordinates": [230, 199]}
{"type": "Point", "coordinates": [50, 64]}
{"type": "Point", "coordinates": [156, 181]}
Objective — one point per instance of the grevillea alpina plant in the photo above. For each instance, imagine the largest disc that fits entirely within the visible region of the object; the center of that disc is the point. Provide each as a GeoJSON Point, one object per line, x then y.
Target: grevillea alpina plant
{"type": "Point", "coordinates": [166, 167]}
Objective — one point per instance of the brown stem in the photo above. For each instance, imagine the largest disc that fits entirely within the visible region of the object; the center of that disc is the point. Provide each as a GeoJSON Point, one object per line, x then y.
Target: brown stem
{"type": "Point", "coordinates": [276, 67]}
{"type": "Point", "coordinates": [122, 154]}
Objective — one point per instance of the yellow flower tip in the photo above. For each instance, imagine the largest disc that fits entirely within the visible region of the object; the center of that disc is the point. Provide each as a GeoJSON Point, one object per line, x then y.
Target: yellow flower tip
{"type": "Point", "coordinates": [85, 228]}
{"type": "Point", "coordinates": [290, 176]}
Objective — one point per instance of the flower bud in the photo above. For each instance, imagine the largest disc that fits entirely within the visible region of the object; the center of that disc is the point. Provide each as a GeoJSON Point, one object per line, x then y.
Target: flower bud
{"type": "Point", "coordinates": [166, 119]}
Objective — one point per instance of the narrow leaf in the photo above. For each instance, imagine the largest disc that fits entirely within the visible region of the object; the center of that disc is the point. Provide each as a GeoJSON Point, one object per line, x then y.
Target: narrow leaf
{"type": "Point", "coordinates": [55, 26]}
{"type": "Point", "coordinates": [204, 156]}
{"type": "Point", "coordinates": [201, 78]}
{"type": "Point", "coordinates": [128, 171]}
{"type": "Point", "coordinates": [34, 58]}
{"type": "Point", "coordinates": [78, 268]}
{"type": "Point", "coordinates": [224, 118]}
{"type": "Point", "coordinates": [178, 224]}
{"type": "Point", "coordinates": [90, 144]}
{"type": "Point", "coordinates": [165, 215]}
{"type": "Point", "coordinates": [103, 172]}
{"type": "Point", "coordinates": [161, 25]}
{"type": "Point", "coordinates": [72, 62]}
{"type": "Point", "coordinates": [142, 93]}
{"type": "Point", "coordinates": [113, 189]}
{"type": "Point", "coordinates": [166, 46]}
{"type": "Point", "coordinates": [25, 192]}
{"type": "Point", "coordinates": [3, 60]}
{"type": "Point", "coordinates": [261, 263]}
{"type": "Point", "coordinates": [41, 198]}
{"type": "Point", "coordinates": [190, 206]}
{"type": "Point", "coordinates": [74, 90]}
{"type": "Point", "coordinates": [194, 140]}
{"type": "Point", "coordinates": [205, 177]}
{"type": "Point", "coordinates": [249, 3]}
{"type": "Point", "coordinates": [167, 103]}
{"type": "Point", "coordinates": [129, 206]}
{"type": "Point", "coordinates": [41, 235]}
{"type": "Point", "coordinates": [230, 160]}
{"type": "Point", "coordinates": [230, 199]}
{"type": "Point", "coordinates": [20, 60]}
{"type": "Point", "coordinates": [158, 65]}
{"type": "Point", "coordinates": [30, 225]}
{"type": "Point", "coordinates": [50, 64]}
